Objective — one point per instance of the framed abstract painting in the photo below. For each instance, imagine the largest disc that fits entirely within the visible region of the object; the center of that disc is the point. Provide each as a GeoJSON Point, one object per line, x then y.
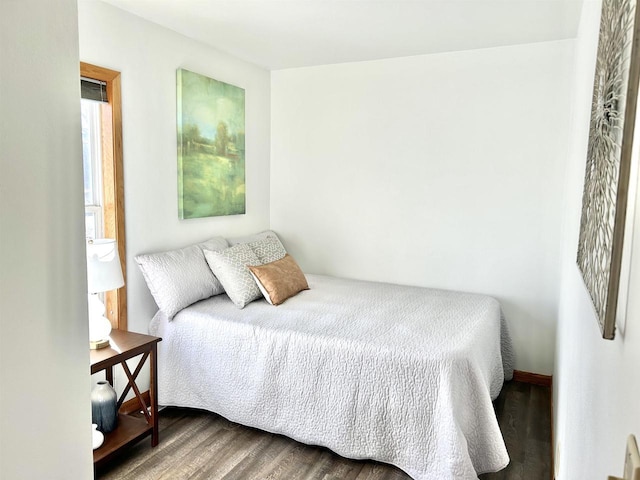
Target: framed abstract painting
{"type": "Point", "coordinates": [211, 146]}
{"type": "Point", "coordinates": [606, 184]}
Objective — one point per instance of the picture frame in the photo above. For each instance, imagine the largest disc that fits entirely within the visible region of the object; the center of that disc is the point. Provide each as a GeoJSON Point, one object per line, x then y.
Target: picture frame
{"type": "Point", "coordinates": [606, 185]}
{"type": "Point", "coordinates": [211, 146]}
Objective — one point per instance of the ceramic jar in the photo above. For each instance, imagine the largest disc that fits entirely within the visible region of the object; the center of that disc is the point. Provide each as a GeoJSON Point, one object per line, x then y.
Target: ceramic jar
{"type": "Point", "coordinates": [104, 402]}
{"type": "Point", "coordinates": [98, 437]}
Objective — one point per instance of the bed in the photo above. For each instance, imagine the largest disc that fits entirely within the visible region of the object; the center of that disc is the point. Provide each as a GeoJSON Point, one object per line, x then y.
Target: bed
{"type": "Point", "coordinates": [402, 375]}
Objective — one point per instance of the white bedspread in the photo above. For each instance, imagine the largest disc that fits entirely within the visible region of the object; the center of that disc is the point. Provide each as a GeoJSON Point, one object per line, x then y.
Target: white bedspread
{"type": "Point", "coordinates": [402, 375]}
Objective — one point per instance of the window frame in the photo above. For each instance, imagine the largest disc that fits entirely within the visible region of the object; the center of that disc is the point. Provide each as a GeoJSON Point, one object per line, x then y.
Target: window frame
{"type": "Point", "coordinates": [112, 183]}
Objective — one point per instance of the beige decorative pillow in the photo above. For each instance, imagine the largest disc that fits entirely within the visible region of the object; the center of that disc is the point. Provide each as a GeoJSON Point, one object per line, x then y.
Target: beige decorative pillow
{"type": "Point", "coordinates": [279, 280]}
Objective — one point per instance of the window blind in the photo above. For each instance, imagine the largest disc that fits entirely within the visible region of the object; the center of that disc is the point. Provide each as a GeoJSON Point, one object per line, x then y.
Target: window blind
{"type": "Point", "coordinates": [91, 89]}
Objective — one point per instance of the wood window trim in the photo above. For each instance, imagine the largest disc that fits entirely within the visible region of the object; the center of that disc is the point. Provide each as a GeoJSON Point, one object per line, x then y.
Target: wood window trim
{"type": "Point", "coordinates": [112, 183]}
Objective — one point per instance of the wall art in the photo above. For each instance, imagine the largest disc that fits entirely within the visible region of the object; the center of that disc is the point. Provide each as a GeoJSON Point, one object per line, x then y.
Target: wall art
{"type": "Point", "coordinates": [211, 147]}
{"type": "Point", "coordinates": [604, 200]}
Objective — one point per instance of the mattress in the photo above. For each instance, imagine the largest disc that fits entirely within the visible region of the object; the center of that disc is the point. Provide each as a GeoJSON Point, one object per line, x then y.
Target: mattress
{"type": "Point", "coordinates": [402, 375]}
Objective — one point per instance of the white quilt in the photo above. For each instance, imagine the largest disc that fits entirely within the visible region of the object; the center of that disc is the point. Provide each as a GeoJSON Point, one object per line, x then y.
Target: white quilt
{"type": "Point", "coordinates": [402, 375]}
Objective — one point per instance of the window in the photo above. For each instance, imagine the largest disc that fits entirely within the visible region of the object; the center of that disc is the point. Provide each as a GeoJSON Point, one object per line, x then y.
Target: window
{"type": "Point", "coordinates": [92, 163]}
{"type": "Point", "coordinates": [103, 174]}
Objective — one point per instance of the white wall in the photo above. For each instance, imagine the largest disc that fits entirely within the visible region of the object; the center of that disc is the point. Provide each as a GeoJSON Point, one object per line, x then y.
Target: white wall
{"type": "Point", "coordinates": [438, 170]}
{"type": "Point", "coordinates": [597, 382]}
{"type": "Point", "coordinates": [45, 417]}
{"type": "Point", "coordinates": [148, 55]}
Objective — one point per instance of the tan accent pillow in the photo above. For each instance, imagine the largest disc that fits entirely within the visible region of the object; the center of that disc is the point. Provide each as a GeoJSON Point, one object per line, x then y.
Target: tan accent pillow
{"type": "Point", "coordinates": [279, 280]}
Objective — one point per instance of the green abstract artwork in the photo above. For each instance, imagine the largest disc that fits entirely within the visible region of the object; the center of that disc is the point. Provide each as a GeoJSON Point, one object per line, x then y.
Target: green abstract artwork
{"type": "Point", "coordinates": [211, 162]}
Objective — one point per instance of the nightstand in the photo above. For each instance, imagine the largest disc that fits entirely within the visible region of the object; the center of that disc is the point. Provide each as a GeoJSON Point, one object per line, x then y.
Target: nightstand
{"type": "Point", "coordinates": [126, 345]}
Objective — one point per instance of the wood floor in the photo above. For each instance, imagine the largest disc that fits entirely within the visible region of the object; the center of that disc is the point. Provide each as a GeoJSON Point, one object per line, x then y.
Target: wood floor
{"type": "Point", "coordinates": [201, 445]}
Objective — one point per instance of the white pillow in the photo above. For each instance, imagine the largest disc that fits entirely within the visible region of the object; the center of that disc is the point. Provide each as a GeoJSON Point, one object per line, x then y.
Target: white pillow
{"type": "Point", "coordinates": [178, 278]}
{"type": "Point", "coordinates": [230, 267]}
{"type": "Point", "coordinates": [216, 243]}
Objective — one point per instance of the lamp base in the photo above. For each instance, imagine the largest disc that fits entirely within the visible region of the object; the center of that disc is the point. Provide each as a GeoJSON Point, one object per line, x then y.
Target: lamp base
{"type": "Point", "coordinates": [99, 344]}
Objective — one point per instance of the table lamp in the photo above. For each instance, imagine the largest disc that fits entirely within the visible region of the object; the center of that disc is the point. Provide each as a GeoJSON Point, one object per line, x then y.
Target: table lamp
{"type": "Point", "coordinates": [103, 274]}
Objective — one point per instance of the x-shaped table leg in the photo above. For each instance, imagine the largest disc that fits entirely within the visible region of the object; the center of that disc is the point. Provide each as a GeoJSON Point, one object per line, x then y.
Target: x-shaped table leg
{"type": "Point", "coordinates": [132, 384]}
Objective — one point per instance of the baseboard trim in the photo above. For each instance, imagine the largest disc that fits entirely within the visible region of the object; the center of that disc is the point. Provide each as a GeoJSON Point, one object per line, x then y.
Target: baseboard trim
{"type": "Point", "coordinates": [133, 405]}
{"type": "Point", "coordinates": [533, 378]}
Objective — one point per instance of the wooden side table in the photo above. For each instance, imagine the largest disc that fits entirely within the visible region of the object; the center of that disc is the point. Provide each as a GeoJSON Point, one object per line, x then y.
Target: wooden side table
{"type": "Point", "coordinates": [126, 345]}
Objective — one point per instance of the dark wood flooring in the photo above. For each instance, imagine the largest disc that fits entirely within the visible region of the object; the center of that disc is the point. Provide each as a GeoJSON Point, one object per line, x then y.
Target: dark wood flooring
{"type": "Point", "coordinates": [524, 415]}
{"type": "Point", "coordinates": [202, 445]}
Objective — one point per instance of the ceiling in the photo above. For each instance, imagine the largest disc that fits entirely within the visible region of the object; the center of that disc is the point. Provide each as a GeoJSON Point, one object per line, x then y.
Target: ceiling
{"type": "Point", "coordinates": [278, 34]}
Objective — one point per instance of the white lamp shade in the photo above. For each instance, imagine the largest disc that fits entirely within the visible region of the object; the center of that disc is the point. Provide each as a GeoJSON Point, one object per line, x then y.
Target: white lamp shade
{"type": "Point", "coordinates": [103, 266]}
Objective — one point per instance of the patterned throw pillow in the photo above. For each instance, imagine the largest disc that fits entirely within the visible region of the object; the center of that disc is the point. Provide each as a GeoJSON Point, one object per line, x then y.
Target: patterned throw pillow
{"type": "Point", "coordinates": [268, 249]}
{"type": "Point", "coordinates": [252, 238]}
{"type": "Point", "coordinates": [230, 267]}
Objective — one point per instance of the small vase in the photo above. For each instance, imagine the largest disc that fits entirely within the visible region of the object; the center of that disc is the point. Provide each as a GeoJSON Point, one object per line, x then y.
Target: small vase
{"type": "Point", "coordinates": [104, 407]}
{"type": "Point", "coordinates": [98, 437]}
